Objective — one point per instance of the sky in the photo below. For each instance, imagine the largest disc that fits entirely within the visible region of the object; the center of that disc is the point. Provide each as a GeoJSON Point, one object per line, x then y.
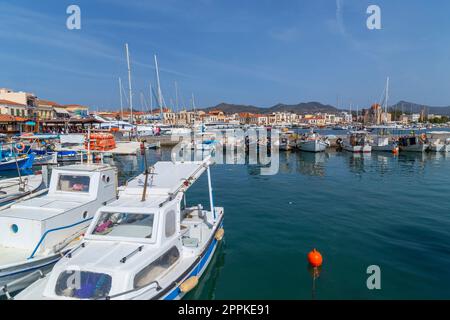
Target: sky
{"type": "Point", "coordinates": [254, 52]}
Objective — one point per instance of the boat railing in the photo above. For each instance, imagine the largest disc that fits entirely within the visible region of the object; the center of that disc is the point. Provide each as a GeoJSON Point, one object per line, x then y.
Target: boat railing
{"type": "Point", "coordinates": [147, 287]}
{"type": "Point", "coordinates": [5, 288]}
{"type": "Point", "coordinates": [124, 259]}
{"type": "Point", "coordinates": [53, 231]}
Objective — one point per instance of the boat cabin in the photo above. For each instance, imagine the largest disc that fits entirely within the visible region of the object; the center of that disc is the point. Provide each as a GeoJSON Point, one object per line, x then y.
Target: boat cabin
{"type": "Point", "coordinates": [45, 224]}
{"type": "Point", "coordinates": [141, 242]}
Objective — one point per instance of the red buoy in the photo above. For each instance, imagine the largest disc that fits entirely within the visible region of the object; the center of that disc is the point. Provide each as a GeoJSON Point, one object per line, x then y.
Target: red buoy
{"type": "Point", "coordinates": [315, 258]}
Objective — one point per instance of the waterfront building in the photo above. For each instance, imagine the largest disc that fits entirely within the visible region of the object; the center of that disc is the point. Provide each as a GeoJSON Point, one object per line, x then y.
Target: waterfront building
{"type": "Point", "coordinates": [13, 108]}
{"type": "Point", "coordinates": [46, 109]}
{"type": "Point", "coordinates": [23, 98]}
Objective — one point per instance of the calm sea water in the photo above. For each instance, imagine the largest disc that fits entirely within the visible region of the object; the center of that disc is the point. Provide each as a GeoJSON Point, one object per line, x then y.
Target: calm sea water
{"type": "Point", "coordinates": [358, 211]}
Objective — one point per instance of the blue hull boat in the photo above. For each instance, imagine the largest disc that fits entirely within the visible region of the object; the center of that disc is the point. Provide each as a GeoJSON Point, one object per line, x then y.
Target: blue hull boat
{"type": "Point", "coordinates": [21, 163]}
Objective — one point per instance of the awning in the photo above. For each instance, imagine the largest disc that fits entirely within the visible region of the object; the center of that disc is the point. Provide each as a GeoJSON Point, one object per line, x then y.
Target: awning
{"type": "Point", "coordinates": [61, 111]}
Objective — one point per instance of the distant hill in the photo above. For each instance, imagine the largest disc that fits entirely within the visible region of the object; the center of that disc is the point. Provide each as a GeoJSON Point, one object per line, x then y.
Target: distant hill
{"type": "Point", "coordinates": [301, 108]}
{"type": "Point", "coordinates": [315, 107]}
{"type": "Point", "coordinates": [234, 108]}
{"type": "Point", "coordinates": [409, 107]}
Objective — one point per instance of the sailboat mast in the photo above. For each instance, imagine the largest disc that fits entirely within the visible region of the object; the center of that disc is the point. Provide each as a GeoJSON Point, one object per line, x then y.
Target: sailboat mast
{"type": "Point", "coordinates": [387, 99]}
{"type": "Point", "coordinates": [121, 99]}
{"type": "Point", "coordinates": [160, 102]}
{"type": "Point", "coordinates": [151, 99]}
{"type": "Point", "coordinates": [176, 96]}
{"type": "Point", "coordinates": [129, 83]}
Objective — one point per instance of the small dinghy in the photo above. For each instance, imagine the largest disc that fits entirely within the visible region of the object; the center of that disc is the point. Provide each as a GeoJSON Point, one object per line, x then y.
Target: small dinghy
{"type": "Point", "coordinates": [35, 233]}
{"type": "Point", "coordinates": [146, 245]}
{"type": "Point", "coordinates": [16, 188]}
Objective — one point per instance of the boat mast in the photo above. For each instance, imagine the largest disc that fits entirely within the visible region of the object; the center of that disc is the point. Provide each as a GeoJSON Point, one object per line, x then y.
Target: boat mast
{"type": "Point", "coordinates": [387, 99]}
{"type": "Point", "coordinates": [151, 99]}
{"type": "Point", "coordinates": [160, 103]}
{"type": "Point", "coordinates": [121, 99]}
{"type": "Point", "coordinates": [129, 82]}
{"type": "Point", "coordinates": [176, 96]}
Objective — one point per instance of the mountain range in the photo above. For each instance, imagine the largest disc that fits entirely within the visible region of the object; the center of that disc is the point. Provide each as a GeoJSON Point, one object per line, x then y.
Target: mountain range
{"type": "Point", "coordinates": [315, 107]}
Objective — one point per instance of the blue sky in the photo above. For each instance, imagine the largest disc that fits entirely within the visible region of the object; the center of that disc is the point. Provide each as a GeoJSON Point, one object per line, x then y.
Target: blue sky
{"type": "Point", "coordinates": [258, 52]}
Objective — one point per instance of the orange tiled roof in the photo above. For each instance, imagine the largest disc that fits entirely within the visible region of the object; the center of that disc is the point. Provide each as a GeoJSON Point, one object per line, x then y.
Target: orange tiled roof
{"type": "Point", "coordinates": [11, 103]}
{"type": "Point", "coordinates": [48, 103]}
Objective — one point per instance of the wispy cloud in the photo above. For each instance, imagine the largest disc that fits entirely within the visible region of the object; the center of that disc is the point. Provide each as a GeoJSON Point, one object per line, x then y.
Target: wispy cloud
{"type": "Point", "coordinates": [49, 33]}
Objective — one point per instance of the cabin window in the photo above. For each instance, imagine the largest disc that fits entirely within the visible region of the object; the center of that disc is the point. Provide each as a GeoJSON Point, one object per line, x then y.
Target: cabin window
{"type": "Point", "coordinates": [150, 273]}
{"type": "Point", "coordinates": [69, 183]}
{"type": "Point", "coordinates": [128, 225]}
{"type": "Point", "coordinates": [83, 285]}
{"type": "Point", "coordinates": [170, 223]}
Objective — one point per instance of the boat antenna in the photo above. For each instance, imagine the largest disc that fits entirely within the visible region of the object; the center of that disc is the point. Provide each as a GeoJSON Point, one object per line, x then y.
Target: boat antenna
{"type": "Point", "coordinates": [129, 83]}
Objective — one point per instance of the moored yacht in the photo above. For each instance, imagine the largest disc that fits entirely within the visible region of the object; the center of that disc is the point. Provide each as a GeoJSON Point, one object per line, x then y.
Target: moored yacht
{"type": "Point", "coordinates": [35, 233]}
{"type": "Point", "coordinates": [146, 245]}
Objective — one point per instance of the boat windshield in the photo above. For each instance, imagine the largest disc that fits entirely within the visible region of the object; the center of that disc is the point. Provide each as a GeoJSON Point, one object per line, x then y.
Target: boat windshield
{"type": "Point", "coordinates": [128, 225]}
{"type": "Point", "coordinates": [70, 183]}
{"type": "Point", "coordinates": [83, 285]}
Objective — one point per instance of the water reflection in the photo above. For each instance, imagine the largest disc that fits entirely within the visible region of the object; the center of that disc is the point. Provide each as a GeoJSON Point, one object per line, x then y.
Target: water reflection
{"type": "Point", "coordinates": [312, 164]}
{"type": "Point", "coordinates": [207, 286]}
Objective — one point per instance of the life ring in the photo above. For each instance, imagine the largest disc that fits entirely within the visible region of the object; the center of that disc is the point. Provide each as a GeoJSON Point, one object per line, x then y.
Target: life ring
{"type": "Point", "coordinates": [20, 147]}
{"type": "Point", "coordinates": [423, 137]}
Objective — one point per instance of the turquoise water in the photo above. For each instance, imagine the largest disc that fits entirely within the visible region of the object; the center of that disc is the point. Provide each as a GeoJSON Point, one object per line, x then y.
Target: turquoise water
{"type": "Point", "coordinates": [358, 211]}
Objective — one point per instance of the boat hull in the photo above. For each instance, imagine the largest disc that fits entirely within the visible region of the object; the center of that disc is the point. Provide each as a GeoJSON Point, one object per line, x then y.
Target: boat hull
{"type": "Point", "coordinates": [386, 148]}
{"type": "Point", "coordinates": [23, 163]}
{"type": "Point", "coordinates": [312, 146]}
{"type": "Point", "coordinates": [358, 149]}
{"type": "Point", "coordinates": [415, 148]}
{"type": "Point", "coordinates": [24, 270]}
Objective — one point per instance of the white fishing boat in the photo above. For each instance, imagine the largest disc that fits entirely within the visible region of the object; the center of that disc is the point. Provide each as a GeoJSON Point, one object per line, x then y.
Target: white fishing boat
{"type": "Point", "coordinates": [19, 187]}
{"type": "Point", "coordinates": [146, 245]}
{"type": "Point", "coordinates": [35, 233]}
{"type": "Point", "coordinates": [439, 141]}
{"type": "Point", "coordinates": [313, 142]}
{"type": "Point", "coordinates": [383, 140]}
{"type": "Point", "coordinates": [414, 143]}
{"type": "Point", "coordinates": [358, 142]}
